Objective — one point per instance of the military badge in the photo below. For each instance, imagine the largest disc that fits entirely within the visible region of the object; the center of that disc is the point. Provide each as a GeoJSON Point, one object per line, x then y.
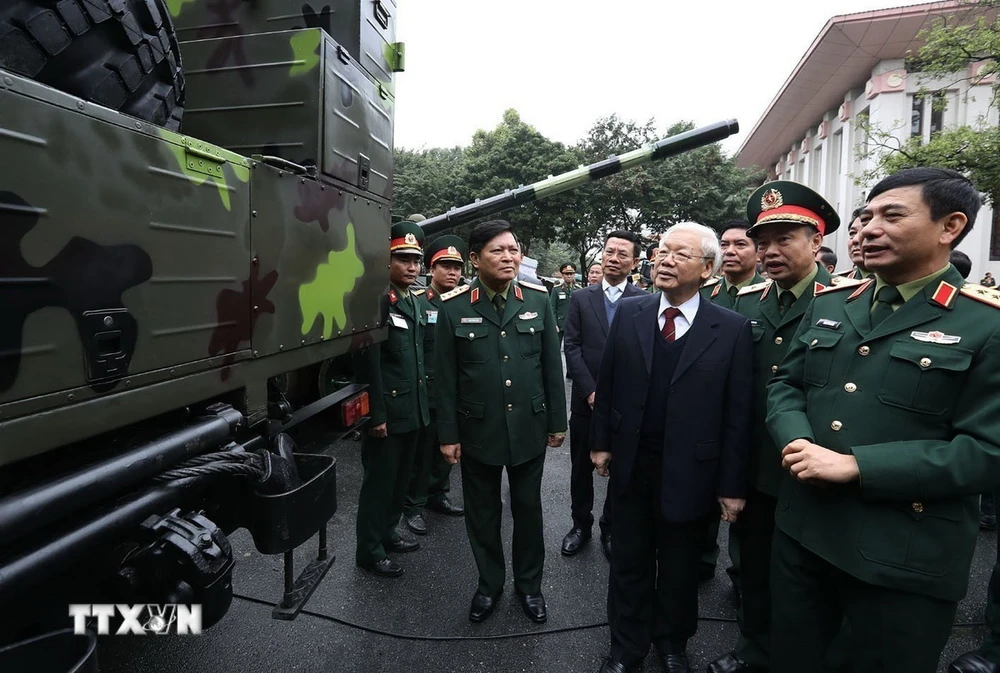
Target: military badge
{"type": "Point", "coordinates": [410, 239]}
{"type": "Point", "coordinates": [528, 316]}
{"type": "Point", "coordinates": [452, 250]}
{"type": "Point", "coordinates": [935, 337]}
{"type": "Point", "coordinates": [771, 199]}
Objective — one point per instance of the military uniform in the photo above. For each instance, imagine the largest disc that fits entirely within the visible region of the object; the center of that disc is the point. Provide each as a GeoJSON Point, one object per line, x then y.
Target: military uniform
{"type": "Point", "coordinates": [914, 400]}
{"type": "Point", "coordinates": [394, 372]}
{"type": "Point", "coordinates": [560, 295]}
{"type": "Point", "coordinates": [721, 292]}
{"type": "Point", "coordinates": [854, 273]}
{"type": "Point", "coordinates": [500, 393]}
{"type": "Point", "coordinates": [431, 480]}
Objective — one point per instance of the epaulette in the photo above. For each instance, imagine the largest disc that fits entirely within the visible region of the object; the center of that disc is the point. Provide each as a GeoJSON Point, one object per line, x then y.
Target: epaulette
{"type": "Point", "coordinates": [712, 281]}
{"type": "Point", "coordinates": [750, 289]}
{"type": "Point", "coordinates": [540, 288]}
{"type": "Point", "coordinates": [839, 283]}
{"type": "Point", "coordinates": [987, 295]}
{"type": "Point", "coordinates": [842, 274]}
{"type": "Point", "coordinates": [417, 293]}
{"type": "Point", "coordinates": [454, 293]}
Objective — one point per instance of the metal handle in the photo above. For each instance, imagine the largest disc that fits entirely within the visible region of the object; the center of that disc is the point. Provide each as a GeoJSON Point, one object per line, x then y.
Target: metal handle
{"type": "Point", "coordinates": [381, 15]}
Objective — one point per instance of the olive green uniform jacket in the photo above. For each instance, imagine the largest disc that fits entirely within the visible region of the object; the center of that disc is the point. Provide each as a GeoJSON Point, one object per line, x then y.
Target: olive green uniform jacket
{"type": "Point", "coordinates": [916, 401]}
{"type": "Point", "coordinates": [499, 383]}
{"type": "Point", "coordinates": [772, 334]}
{"type": "Point", "coordinates": [560, 303]}
{"type": "Point", "coordinates": [429, 305]}
{"type": "Point", "coordinates": [715, 291]}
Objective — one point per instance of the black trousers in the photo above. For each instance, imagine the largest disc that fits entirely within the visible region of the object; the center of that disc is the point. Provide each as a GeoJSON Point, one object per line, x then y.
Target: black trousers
{"type": "Point", "coordinates": [431, 477]}
{"type": "Point", "coordinates": [755, 528]}
{"type": "Point", "coordinates": [653, 586]}
{"type": "Point", "coordinates": [891, 631]}
{"type": "Point", "coordinates": [388, 463]}
{"type": "Point", "coordinates": [481, 485]}
{"type": "Point", "coordinates": [581, 477]}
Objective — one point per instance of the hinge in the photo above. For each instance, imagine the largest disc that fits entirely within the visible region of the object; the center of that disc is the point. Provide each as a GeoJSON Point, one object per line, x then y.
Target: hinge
{"type": "Point", "coordinates": [203, 158]}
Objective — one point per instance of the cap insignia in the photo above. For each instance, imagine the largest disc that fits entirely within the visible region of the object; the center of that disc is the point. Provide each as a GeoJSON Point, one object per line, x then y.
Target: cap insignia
{"type": "Point", "coordinates": [772, 199]}
{"type": "Point", "coordinates": [410, 239]}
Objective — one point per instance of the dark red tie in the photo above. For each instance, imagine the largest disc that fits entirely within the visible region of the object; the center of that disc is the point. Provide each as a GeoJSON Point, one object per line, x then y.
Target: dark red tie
{"type": "Point", "coordinates": [668, 325]}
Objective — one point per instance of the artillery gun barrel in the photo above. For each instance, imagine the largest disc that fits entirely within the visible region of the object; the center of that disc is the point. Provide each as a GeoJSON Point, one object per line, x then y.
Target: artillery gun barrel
{"type": "Point", "coordinates": [661, 149]}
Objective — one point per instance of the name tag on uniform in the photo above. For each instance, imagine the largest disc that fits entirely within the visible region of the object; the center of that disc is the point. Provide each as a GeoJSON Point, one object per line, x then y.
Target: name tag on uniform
{"type": "Point", "coordinates": [829, 324]}
{"type": "Point", "coordinates": [562, 295]}
{"type": "Point", "coordinates": [432, 317]}
{"type": "Point", "coordinates": [935, 337]}
{"type": "Point", "coordinates": [754, 323]}
{"type": "Point", "coordinates": [528, 316]}
{"type": "Point", "coordinates": [472, 321]}
{"type": "Point", "coordinates": [398, 321]}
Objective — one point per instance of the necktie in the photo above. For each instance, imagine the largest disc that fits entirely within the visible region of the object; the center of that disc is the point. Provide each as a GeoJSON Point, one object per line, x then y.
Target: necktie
{"type": "Point", "coordinates": [733, 291]}
{"type": "Point", "coordinates": [785, 300]}
{"type": "Point", "coordinates": [882, 308]}
{"type": "Point", "coordinates": [499, 303]}
{"type": "Point", "coordinates": [669, 330]}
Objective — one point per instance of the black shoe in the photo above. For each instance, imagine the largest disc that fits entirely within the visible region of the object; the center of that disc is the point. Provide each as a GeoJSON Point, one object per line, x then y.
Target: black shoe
{"type": "Point", "coordinates": [606, 544]}
{"type": "Point", "coordinates": [730, 663]}
{"type": "Point", "coordinates": [612, 666]}
{"type": "Point", "coordinates": [443, 505]}
{"type": "Point", "coordinates": [416, 524]}
{"type": "Point", "coordinates": [676, 663]}
{"type": "Point", "coordinates": [574, 540]}
{"type": "Point", "coordinates": [402, 546]}
{"type": "Point", "coordinates": [972, 663]}
{"type": "Point", "coordinates": [384, 568]}
{"type": "Point", "coordinates": [482, 607]}
{"type": "Point", "coordinates": [533, 606]}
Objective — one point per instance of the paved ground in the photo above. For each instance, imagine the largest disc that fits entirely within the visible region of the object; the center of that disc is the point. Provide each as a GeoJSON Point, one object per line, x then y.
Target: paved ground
{"type": "Point", "coordinates": [359, 623]}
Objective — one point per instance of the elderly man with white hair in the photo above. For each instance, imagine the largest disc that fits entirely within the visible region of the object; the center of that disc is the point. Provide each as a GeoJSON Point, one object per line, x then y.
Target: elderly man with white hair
{"type": "Point", "coordinates": [671, 412]}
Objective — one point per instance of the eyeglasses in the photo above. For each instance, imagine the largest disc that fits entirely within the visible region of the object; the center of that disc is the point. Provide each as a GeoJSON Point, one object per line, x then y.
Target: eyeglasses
{"type": "Point", "coordinates": [618, 254]}
{"type": "Point", "coordinates": [680, 256]}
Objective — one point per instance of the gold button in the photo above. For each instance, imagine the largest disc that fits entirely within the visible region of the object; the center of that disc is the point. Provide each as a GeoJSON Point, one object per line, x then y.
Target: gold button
{"type": "Point", "coordinates": [778, 340]}
{"type": "Point", "coordinates": [531, 329]}
{"type": "Point", "coordinates": [393, 393]}
{"type": "Point", "coordinates": [925, 362]}
{"type": "Point", "coordinates": [505, 358]}
{"type": "Point", "coordinates": [503, 333]}
{"type": "Point", "coordinates": [510, 407]}
{"type": "Point", "coordinates": [507, 383]}
{"type": "Point", "coordinates": [814, 342]}
{"type": "Point", "coordinates": [472, 335]}
{"type": "Point", "coordinates": [864, 350]}
{"type": "Point", "coordinates": [836, 426]}
{"type": "Point", "coordinates": [850, 387]}
{"type": "Point", "coordinates": [774, 368]}
{"type": "Point", "coordinates": [917, 507]}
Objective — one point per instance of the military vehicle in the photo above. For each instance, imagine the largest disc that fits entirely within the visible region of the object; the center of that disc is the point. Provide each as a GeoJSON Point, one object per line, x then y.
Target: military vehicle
{"type": "Point", "coordinates": [194, 217]}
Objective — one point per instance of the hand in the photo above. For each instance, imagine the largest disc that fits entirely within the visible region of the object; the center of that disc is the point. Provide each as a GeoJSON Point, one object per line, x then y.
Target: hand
{"type": "Point", "coordinates": [590, 399]}
{"type": "Point", "coordinates": [452, 453]}
{"type": "Point", "coordinates": [731, 508]}
{"type": "Point", "coordinates": [556, 440]}
{"type": "Point", "coordinates": [811, 462]}
{"type": "Point", "coordinates": [379, 431]}
{"type": "Point", "coordinates": [601, 461]}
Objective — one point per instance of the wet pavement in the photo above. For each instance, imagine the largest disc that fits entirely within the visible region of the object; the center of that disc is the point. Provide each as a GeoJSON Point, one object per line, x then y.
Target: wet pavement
{"type": "Point", "coordinates": [356, 622]}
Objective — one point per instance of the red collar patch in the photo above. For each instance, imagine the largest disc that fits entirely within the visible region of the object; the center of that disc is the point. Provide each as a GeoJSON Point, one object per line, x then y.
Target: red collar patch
{"type": "Point", "coordinates": [715, 292]}
{"type": "Point", "coordinates": [818, 287]}
{"type": "Point", "coordinates": [475, 295]}
{"type": "Point", "coordinates": [393, 297]}
{"type": "Point", "coordinates": [430, 294]}
{"type": "Point", "coordinates": [517, 293]}
{"type": "Point", "coordinates": [944, 295]}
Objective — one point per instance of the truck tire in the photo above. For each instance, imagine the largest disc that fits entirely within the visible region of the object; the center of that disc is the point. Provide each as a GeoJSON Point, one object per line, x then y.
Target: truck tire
{"type": "Point", "coordinates": [122, 54]}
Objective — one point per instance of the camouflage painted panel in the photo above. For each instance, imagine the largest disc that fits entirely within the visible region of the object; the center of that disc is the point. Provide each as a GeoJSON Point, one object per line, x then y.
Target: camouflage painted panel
{"type": "Point", "coordinates": [297, 96]}
{"type": "Point", "coordinates": [327, 250]}
{"type": "Point", "coordinates": [366, 28]}
{"type": "Point", "coordinates": [115, 245]}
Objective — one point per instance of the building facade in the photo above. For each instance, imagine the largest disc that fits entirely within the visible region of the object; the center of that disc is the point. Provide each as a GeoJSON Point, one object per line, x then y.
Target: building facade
{"type": "Point", "coordinates": [853, 78]}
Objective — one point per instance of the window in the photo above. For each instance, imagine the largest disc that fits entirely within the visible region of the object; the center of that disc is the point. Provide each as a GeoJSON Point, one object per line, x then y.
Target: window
{"type": "Point", "coordinates": [930, 114]}
{"type": "Point", "coordinates": [917, 117]}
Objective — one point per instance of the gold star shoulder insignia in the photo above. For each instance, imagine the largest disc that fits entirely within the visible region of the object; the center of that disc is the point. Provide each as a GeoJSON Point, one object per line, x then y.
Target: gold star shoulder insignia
{"type": "Point", "coordinates": [986, 295]}
{"type": "Point", "coordinates": [712, 281]}
{"type": "Point", "coordinates": [751, 289]}
{"type": "Point", "coordinates": [839, 283]}
{"type": "Point", "coordinates": [540, 288]}
{"type": "Point", "coordinates": [419, 292]}
{"type": "Point", "coordinates": [454, 293]}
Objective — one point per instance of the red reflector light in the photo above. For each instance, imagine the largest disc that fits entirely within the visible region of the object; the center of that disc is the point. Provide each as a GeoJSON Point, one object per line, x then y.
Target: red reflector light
{"type": "Point", "coordinates": [354, 409]}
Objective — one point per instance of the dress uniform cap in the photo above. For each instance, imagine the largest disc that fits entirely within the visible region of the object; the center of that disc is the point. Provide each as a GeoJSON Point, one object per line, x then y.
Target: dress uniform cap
{"type": "Point", "coordinates": [445, 248]}
{"type": "Point", "coordinates": [406, 238]}
{"type": "Point", "coordinates": [790, 202]}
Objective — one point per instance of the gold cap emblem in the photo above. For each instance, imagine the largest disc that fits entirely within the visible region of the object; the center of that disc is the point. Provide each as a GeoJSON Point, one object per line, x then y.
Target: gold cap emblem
{"type": "Point", "coordinates": [771, 200]}
{"type": "Point", "coordinates": [452, 250]}
{"type": "Point", "coordinates": [410, 239]}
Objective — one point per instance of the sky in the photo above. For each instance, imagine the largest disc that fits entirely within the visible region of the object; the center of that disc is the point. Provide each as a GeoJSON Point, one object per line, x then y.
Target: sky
{"type": "Point", "coordinates": [562, 64]}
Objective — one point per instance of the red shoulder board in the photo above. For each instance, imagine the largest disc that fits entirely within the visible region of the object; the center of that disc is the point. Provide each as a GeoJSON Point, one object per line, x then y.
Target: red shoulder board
{"type": "Point", "coordinates": [861, 290]}
{"type": "Point", "coordinates": [944, 295]}
{"type": "Point", "coordinates": [715, 292]}
{"type": "Point", "coordinates": [517, 293]}
{"type": "Point", "coordinates": [393, 297]}
{"type": "Point", "coordinates": [475, 295]}
{"type": "Point", "coordinates": [430, 294]}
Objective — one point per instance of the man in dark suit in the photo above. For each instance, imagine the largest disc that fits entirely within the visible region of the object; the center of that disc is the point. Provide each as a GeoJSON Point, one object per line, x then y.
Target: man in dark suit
{"type": "Point", "coordinates": [590, 313]}
{"type": "Point", "coordinates": [672, 411]}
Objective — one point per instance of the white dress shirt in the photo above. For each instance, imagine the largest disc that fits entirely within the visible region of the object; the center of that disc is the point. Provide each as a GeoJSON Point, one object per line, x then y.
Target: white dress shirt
{"type": "Point", "coordinates": [682, 323]}
{"type": "Point", "coordinates": [605, 285]}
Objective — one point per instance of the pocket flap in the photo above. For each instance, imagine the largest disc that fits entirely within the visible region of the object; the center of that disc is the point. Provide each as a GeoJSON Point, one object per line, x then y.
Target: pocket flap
{"type": "Point", "coordinates": [821, 338]}
{"type": "Point", "coordinates": [396, 388]}
{"type": "Point", "coordinates": [932, 356]}
{"type": "Point", "coordinates": [538, 403]}
{"type": "Point", "coordinates": [470, 409]}
{"type": "Point", "coordinates": [471, 332]}
{"type": "Point", "coordinates": [530, 326]}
